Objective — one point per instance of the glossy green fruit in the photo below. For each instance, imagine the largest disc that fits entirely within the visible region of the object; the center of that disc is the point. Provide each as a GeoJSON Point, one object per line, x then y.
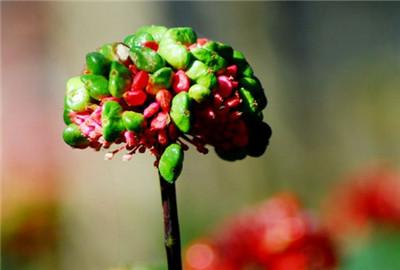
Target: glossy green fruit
{"type": "Point", "coordinates": [180, 111]}
{"type": "Point", "coordinates": [77, 97]}
{"type": "Point", "coordinates": [214, 61]}
{"type": "Point", "coordinates": [146, 59]}
{"type": "Point", "coordinates": [250, 104]}
{"type": "Point", "coordinates": [225, 51]}
{"type": "Point", "coordinates": [97, 64]}
{"type": "Point", "coordinates": [208, 80]}
{"type": "Point", "coordinates": [182, 35]}
{"type": "Point", "coordinates": [199, 92]}
{"type": "Point", "coordinates": [196, 70]}
{"type": "Point", "coordinates": [66, 117]}
{"type": "Point", "coordinates": [133, 121]}
{"type": "Point", "coordinates": [254, 86]}
{"type": "Point", "coordinates": [111, 121]}
{"type": "Point", "coordinates": [211, 45]}
{"type": "Point", "coordinates": [162, 78]}
{"type": "Point", "coordinates": [156, 31]}
{"type": "Point", "coordinates": [138, 39]}
{"type": "Point", "coordinates": [119, 80]}
{"type": "Point", "coordinates": [170, 165]}
{"type": "Point", "coordinates": [97, 86]}
{"type": "Point", "coordinates": [107, 50]}
{"type": "Point", "coordinates": [73, 136]}
{"type": "Point", "coordinates": [175, 54]}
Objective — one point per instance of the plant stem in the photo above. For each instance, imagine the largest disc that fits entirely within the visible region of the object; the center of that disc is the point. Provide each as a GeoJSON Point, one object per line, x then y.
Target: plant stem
{"type": "Point", "coordinates": [172, 239]}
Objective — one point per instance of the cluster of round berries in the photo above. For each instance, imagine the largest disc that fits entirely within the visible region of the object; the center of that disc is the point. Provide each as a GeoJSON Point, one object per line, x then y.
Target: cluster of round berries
{"type": "Point", "coordinates": [277, 235]}
{"type": "Point", "coordinates": [161, 88]}
{"type": "Point", "coordinates": [370, 197]}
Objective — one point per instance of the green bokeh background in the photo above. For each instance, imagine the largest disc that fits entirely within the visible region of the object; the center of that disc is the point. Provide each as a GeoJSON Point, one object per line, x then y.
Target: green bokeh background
{"type": "Point", "coordinates": [331, 74]}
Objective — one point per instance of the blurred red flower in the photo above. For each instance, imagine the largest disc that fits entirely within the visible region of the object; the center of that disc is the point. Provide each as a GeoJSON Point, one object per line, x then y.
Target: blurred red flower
{"type": "Point", "coordinates": [372, 196]}
{"type": "Point", "coordinates": [276, 235]}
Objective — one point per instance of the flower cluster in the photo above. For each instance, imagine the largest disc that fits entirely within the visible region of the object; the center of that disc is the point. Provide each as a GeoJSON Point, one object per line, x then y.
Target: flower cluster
{"type": "Point", "coordinates": [165, 87]}
{"type": "Point", "coordinates": [369, 197]}
{"type": "Point", "coordinates": [277, 235]}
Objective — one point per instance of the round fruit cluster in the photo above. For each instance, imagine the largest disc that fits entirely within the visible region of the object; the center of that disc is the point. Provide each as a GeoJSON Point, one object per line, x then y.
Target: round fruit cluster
{"type": "Point", "coordinates": [277, 235]}
{"type": "Point", "coordinates": [162, 88]}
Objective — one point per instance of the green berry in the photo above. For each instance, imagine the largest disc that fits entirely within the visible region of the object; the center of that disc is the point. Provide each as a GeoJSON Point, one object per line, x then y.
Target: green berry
{"type": "Point", "coordinates": [111, 121]}
{"type": "Point", "coordinates": [181, 35]}
{"type": "Point", "coordinates": [133, 121]}
{"type": "Point", "coordinates": [155, 30]}
{"type": "Point", "coordinates": [97, 86]}
{"type": "Point", "coordinates": [250, 104]}
{"type": "Point", "coordinates": [225, 51]}
{"type": "Point", "coordinates": [73, 136]}
{"type": "Point", "coordinates": [162, 78]}
{"type": "Point", "coordinates": [175, 54]}
{"type": "Point", "coordinates": [146, 59]}
{"type": "Point", "coordinates": [211, 45]}
{"type": "Point", "coordinates": [138, 39]}
{"type": "Point", "coordinates": [208, 80]}
{"type": "Point", "coordinates": [196, 70]}
{"type": "Point", "coordinates": [202, 54]}
{"type": "Point", "coordinates": [77, 96]}
{"type": "Point", "coordinates": [180, 111]}
{"type": "Point", "coordinates": [97, 64]}
{"type": "Point", "coordinates": [199, 93]}
{"type": "Point", "coordinates": [254, 86]}
{"type": "Point", "coordinates": [170, 165]}
{"type": "Point", "coordinates": [120, 79]}
{"type": "Point", "coordinates": [214, 61]}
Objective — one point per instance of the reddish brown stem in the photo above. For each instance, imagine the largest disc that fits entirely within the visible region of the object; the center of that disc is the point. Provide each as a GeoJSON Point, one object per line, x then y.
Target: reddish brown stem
{"type": "Point", "coordinates": [172, 239]}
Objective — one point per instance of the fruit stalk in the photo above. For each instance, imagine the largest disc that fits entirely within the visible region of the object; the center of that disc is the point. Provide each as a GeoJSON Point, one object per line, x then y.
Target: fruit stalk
{"type": "Point", "coordinates": [172, 239]}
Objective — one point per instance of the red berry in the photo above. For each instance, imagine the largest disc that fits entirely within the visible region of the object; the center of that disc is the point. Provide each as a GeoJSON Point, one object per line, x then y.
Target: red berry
{"type": "Point", "coordinates": [180, 81]}
{"type": "Point", "coordinates": [135, 98]}
{"type": "Point", "coordinates": [164, 98]}
{"type": "Point", "coordinates": [202, 41]}
{"type": "Point", "coordinates": [140, 81]}
{"type": "Point", "coordinates": [151, 110]}
{"type": "Point", "coordinates": [232, 70]}
{"type": "Point", "coordinates": [224, 86]}
{"type": "Point", "coordinates": [151, 44]}
{"type": "Point", "coordinates": [160, 121]}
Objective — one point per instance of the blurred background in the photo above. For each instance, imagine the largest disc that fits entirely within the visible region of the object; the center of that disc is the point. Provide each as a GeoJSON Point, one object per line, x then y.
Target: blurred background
{"type": "Point", "coordinates": [331, 74]}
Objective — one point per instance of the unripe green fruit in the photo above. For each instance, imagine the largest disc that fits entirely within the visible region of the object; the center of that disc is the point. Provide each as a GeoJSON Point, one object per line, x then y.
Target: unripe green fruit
{"type": "Point", "coordinates": [97, 86]}
{"type": "Point", "coordinates": [197, 70]}
{"type": "Point", "coordinates": [138, 39]}
{"type": "Point", "coordinates": [162, 78]}
{"type": "Point", "coordinates": [77, 97]}
{"type": "Point", "coordinates": [146, 59]}
{"type": "Point", "coordinates": [73, 137]}
{"type": "Point", "coordinates": [156, 31]}
{"type": "Point", "coordinates": [111, 121]}
{"type": "Point", "coordinates": [120, 79]}
{"type": "Point", "coordinates": [199, 93]}
{"type": "Point", "coordinates": [175, 54]}
{"type": "Point", "coordinates": [133, 121]}
{"type": "Point", "coordinates": [97, 64]}
{"type": "Point", "coordinates": [182, 35]}
{"type": "Point", "coordinates": [170, 164]}
{"type": "Point", "coordinates": [180, 111]}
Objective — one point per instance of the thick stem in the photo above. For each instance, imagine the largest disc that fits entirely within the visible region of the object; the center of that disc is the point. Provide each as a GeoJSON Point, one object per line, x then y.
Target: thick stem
{"type": "Point", "coordinates": [172, 239]}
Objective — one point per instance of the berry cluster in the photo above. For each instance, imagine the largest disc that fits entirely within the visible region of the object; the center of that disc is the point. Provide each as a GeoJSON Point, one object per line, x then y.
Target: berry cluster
{"type": "Point", "coordinates": [277, 235]}
{"type": "Point", "coordinates": [162, 88]}
{"type": "Point", "coordinates": [369, 197]}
